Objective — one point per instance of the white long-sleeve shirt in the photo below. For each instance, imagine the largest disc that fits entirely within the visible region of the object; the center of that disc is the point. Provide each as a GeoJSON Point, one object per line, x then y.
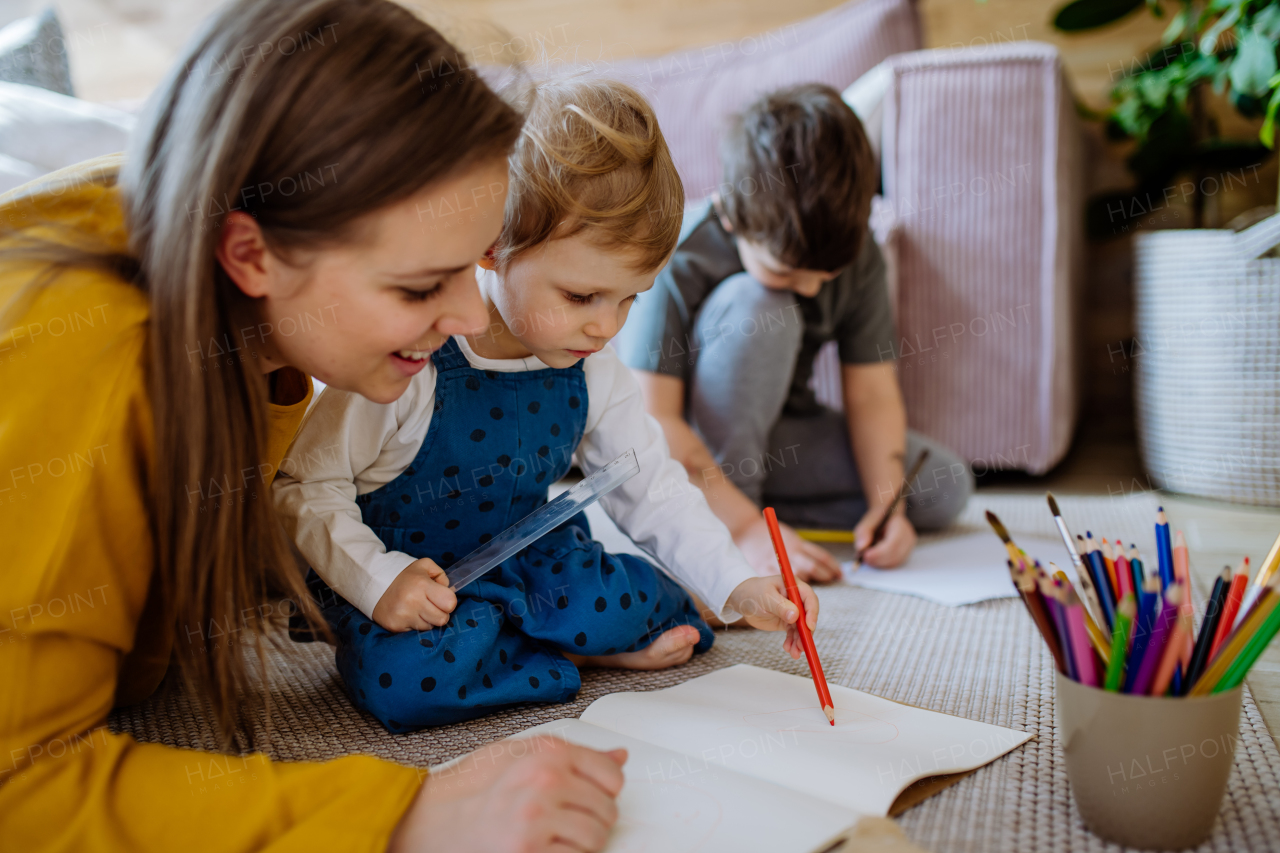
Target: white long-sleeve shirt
{"type": "Point", "coordinates": [349, 446]}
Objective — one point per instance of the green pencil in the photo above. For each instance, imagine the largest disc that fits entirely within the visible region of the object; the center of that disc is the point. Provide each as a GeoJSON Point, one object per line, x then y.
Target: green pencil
{"type": "Point", "coordinates": [1120, 642]}
{"type": "Point", "coordinates": [1250, 653]}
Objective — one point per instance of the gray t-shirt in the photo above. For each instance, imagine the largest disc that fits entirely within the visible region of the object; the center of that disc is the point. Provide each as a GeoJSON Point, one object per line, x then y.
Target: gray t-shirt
{"type": "Point", "coordinates": [852, 309]}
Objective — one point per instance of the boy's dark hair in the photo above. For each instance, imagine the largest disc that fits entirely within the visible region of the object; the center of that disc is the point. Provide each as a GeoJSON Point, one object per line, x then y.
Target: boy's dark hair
{"type": "Point", "coordinates": [798, 177]}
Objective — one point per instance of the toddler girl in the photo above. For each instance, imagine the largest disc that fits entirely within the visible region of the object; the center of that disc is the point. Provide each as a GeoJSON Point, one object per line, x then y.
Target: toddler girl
{"type": "Point", "coordinates": [381, 498]}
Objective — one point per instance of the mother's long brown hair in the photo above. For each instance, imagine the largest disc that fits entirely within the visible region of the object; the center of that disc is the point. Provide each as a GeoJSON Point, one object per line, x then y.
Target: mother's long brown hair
{"type": "Point", "coordinates": [363, 104]}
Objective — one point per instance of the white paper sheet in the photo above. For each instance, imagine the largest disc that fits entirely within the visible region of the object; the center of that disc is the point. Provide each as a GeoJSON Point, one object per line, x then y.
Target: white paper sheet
{"type": "Point", "coordinates": [672, 803]}
{"type": "Point", "coordinates": [959, 570]}
{"type": "Point", "coordinates": [768, 725]}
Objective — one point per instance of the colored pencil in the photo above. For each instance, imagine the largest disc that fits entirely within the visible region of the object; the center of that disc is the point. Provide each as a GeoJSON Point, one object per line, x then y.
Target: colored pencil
{"type": "Point", "coordinates": [1149, 605]}
{"type": "Point", "coordinates": [1250, 653]}
{"type": "Point", "coordinates": [1172, 657]}
{"type": "Point", "coordinates": [1124, 576]}
{"type": "Point", "coordinates": [1102, 645]}
{"type": "Point", "coordinates": [1164, 550]}
{"type": "Point", "coordinates": [1182, 574]}
{"type": "Point", "coordinates": [1106, 579]}
{"type": "Point", "coordinates": [1235, 642]}
{"type": "Point", "coordinates": [1025, 583]}
{"type": "Point", "coordinates": [877, 533]}
{"type": "Point", "coordinates": [1266, 570]}
{"type": "Point", "coordinates": [1082, 651]}
{"type": "Point", "coordinates": [810, 534]}
{"type": "Point", "coordinates": [1088, 594]}
{"type": "Point", "coordinates": [1125, 612]}
{"type": "Point", "coordinates": [1098, 574]}
{"type": "Point", "coordinates": [1156, 646]}
{"type": "Point", "coordinates": [1059, 619]}
{"type": "Point", "coordinates": [1235, 594]}
{"type": "Point", "coordinates": [802, 624]}
{"type": "Point", "coordinates": [1113, 572]}
{"type": "Point", "coordinates": [1209, 626]}
{"type": "Point", "coordinates": [1138, 570]}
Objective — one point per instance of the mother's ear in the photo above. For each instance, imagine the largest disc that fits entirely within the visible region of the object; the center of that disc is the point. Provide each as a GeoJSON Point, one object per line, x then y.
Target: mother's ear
{"type": "Point", "coordinates": [487, 260]}
{"type": "Point", "coordinates": [243, 253]}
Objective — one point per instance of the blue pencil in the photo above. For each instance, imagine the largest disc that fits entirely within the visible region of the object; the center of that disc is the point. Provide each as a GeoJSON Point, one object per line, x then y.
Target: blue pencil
{"type": "Point", "coordinates": [1098, 571]}
{"type": "Point", "coordinates": [1164, 550]}
{"type": "Point", "coordinates": [1143, 625]}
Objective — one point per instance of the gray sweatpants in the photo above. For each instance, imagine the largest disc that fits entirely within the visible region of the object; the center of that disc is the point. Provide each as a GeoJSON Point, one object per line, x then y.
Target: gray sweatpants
{"type": "Point", "coordinates": [747, 340]}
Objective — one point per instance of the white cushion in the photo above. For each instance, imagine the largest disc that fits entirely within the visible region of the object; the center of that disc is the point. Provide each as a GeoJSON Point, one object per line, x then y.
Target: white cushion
{"type": "Point", "coordinates": [42, 131]}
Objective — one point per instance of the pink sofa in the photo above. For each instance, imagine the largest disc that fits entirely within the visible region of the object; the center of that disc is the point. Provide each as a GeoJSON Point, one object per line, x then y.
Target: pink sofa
{"type": "Point", "coordinates": [980, 215]}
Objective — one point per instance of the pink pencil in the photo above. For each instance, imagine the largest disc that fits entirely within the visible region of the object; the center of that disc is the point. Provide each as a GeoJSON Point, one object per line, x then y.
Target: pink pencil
{"type": "Point", "coordinates": [1086, 665]}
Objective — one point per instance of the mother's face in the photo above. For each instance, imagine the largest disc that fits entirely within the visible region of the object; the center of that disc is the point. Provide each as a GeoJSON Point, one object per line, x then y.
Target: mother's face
{"type": "Point", "coordinates": [365, 317]}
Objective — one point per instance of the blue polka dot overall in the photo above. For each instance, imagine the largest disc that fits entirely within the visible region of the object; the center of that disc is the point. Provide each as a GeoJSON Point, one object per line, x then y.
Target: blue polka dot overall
{"type": "Point", "coordinates": [496, 441]}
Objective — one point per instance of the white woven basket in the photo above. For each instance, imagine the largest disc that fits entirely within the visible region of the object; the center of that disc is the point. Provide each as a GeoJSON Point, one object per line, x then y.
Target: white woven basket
{"type": "Point", "coordinates": [1207, 361]}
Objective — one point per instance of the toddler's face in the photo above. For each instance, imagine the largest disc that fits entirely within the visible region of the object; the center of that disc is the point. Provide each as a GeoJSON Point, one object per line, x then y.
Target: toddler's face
{"type": "Point", "coordinates": [561, 301]}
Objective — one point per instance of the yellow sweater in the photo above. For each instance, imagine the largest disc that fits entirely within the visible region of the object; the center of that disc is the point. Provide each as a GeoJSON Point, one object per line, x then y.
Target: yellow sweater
{"type": "Point", "coordinates": [75, 570]}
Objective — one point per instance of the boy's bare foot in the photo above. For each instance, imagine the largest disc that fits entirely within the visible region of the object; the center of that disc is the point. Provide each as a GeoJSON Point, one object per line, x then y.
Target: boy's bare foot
{"type": "Point", "coordinates": [672, 648]}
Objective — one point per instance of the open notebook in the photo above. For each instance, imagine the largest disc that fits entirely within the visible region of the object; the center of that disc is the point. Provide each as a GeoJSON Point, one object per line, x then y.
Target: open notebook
{"type": "Point", "coordinates": [743, 759]}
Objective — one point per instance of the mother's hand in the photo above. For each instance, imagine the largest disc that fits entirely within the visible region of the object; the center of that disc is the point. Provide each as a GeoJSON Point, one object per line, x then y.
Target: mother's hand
{"type": "Point", "coordinates": [535, 794]}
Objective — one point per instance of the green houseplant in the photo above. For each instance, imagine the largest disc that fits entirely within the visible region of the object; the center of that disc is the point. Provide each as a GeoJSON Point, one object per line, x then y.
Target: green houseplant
{"type": "Point", "coordinates": [1228, 46]}
{"type": "Point", "coordinates": [1206, 393]}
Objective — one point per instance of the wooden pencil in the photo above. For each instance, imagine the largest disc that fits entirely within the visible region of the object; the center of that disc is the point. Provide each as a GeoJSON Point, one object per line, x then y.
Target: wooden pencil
{"type": "Point", "coordinates": [1082, 650]}
{"type": "Point", "coordinates": [1100, 643]}
{"type": "Point", "coordinates": [1125, 612]}
{"type": "Point", "coordinates": [802, 624]}
{"type": "Point", "coordinates": [1098, 574]}
{"type": "Point", "coordinates": [877, 533]}
{"type": "Point", "coordinates": [1113, 573]}
{"type": "Point", "coordinates": [1182, 573]}
{"type": "Point", "coordinates": [1236, 641]}
{"type": "Point", "coordinates": [1249, 655]}
{"type": "Point", "coordinates": [1059, 621]}
{"type": "Point", "coordinates": [1025, 583]}
{"type": "Point", "coordinates": [1149, 604]}
{"type": "Point", "coordinates": [1124, 575]}
{"type": "Point", "coordinates": [1183, 627]}
{"type": "Point", "coordinates": [1235, 594]}
{"type": "Point", "coordinates": [1213, 613]}
{"type": "Point", "coordinates": [1159, 642]}
{"type": "Point", "coordinates": [1164, 550]}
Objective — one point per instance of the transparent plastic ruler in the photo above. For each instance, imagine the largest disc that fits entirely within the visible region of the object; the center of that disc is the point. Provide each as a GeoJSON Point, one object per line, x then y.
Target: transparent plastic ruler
{"type": "Point", "coordinates": [530, 528]}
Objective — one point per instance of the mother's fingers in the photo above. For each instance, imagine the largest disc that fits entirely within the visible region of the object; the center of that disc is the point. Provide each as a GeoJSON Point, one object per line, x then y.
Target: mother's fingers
{"type": "Point", "coordinates": [597, 767]}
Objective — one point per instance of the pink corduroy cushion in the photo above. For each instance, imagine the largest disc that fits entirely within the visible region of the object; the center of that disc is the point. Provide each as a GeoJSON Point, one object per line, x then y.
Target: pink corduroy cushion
{"type": "Point", "coordinates": [982, 189]}
{"type": "Point", "coordinates": [694, 92]}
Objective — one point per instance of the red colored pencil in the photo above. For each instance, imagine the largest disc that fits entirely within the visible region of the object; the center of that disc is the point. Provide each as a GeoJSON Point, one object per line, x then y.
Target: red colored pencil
{"type": "Point", "coordinates": [802, 624]}
{"type": "Point", "coordinates": [1235, 594]}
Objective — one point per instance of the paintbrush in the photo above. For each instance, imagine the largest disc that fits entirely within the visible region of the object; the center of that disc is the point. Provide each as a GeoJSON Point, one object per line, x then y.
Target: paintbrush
{"type": "Point", "coordinates": [1089, 594]}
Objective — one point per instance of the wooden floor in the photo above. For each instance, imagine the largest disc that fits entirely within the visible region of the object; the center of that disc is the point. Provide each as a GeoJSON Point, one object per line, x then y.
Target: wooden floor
{"type": "Point", "coordinates": [120, 49]}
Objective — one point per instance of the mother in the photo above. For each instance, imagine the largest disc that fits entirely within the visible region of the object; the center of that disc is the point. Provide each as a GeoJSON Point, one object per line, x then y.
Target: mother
{"type": "Point", "coordinates": [289, 207]}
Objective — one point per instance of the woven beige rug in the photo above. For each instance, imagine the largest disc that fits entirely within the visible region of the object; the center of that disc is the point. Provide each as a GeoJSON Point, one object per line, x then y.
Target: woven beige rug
{"type": "Point", "coordinates": [983, 662]}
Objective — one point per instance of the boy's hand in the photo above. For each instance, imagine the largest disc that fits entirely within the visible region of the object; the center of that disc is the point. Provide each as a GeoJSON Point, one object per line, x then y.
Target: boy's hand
{"type": "Point", "coordinates": [419, 599]}
{"type": "Point", "coordinates": [894, 548]}
{"type": "Point", "coordinates": [764, 604]}
{"type": "Point", "coordinates": [810, 562]}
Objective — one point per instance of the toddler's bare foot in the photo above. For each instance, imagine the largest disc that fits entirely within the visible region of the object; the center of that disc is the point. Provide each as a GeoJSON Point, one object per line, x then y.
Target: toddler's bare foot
{"type": "Point", "coordinates": [672, 648]}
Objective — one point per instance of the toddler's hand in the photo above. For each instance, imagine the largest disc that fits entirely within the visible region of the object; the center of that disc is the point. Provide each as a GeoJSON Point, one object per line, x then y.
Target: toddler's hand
{"type": "Point", "coordinates": [764, 604]}
{"type": "Point", "coordinates": [419, 599]}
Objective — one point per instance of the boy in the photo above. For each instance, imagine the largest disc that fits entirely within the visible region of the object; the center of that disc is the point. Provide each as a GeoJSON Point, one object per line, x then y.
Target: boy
{"type": "Point", "coordinates": [779, 263]}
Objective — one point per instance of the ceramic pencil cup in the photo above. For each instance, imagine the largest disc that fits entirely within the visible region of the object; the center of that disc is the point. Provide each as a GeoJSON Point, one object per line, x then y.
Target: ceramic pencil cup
{"type": "Point", "coordinates": [1147, 772]}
